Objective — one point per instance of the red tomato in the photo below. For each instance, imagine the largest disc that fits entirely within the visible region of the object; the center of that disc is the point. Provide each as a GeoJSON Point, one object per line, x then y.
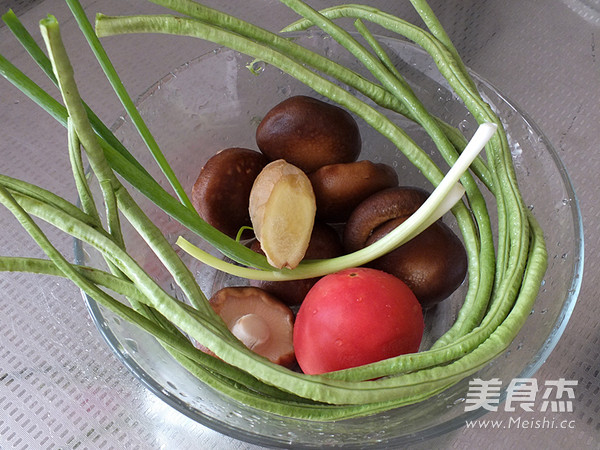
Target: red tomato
{"type": "Point", "coordinates": [355, 317]}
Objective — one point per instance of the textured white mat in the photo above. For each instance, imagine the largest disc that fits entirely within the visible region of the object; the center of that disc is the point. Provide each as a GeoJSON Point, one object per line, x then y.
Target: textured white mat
{"type": "Point", "coordinates": [61, 387]}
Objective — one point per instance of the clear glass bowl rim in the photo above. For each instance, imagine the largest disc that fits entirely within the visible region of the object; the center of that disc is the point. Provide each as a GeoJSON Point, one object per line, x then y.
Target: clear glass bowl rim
{"type": "Point", "coordinates": [537, 361]}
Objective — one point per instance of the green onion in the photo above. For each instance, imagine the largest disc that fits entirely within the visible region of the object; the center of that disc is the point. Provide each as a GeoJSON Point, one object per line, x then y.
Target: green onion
{"type": "Point", "coordinates": [122, 161]}
{"type": "Point", "coordinates": [119, 89]}
{"type": "Point", "coordinates": [38, 55]}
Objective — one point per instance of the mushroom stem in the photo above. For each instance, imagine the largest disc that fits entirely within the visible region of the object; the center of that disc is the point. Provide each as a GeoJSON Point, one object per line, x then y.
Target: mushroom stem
{"type": "Point", "coordinates": [251, 329]}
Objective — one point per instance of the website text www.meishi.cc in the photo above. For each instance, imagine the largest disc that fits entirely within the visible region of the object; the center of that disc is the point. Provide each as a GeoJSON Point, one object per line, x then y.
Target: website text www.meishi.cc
{"type": "Point", "coordinates": [544, 423]}
{"type": "Point", "coordinates": [522, 396]}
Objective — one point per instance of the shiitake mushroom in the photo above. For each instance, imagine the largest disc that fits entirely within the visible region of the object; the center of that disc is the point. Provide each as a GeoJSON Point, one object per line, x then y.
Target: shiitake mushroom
{"type": "Point", "coordinates": [325, 242]}
{"type": "Point", "coordinates": [308, 133]}
{"type": "Point", "coordinates": [222, 190]}
{"type": "Point", "coordinates": [378, 208]}
{"type": "Point", "coordinates": [339, 188]}
{"type": "Point", "coordinates": [433, 264]}
{"type": "Point", "coordinates": [260, 320]}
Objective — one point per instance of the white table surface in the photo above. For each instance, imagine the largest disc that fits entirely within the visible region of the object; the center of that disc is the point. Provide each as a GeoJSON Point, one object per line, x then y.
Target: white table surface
{"type": "Point", "coordinates": [61, 387]}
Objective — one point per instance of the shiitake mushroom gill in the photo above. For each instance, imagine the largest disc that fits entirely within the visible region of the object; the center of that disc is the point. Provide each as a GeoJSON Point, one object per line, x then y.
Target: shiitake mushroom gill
{"type": "Point", "coordinates": [258, 319]}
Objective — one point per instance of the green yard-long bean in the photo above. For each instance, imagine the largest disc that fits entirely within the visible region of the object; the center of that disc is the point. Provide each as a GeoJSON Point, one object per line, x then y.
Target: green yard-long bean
{"type": "Point", "coordinates": [170, 24]}
{"type": "Point", "coordinates": [502, 286]}
{"type": "Point", "coordinates": [477, 296]}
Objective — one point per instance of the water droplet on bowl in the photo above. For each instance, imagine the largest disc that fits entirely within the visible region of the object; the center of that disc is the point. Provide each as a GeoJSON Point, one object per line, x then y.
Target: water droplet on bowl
{"type": "Point", "coordinates": [131, 345]}
{"type": "Point", "coordinates": [284, 90]}
{"type": "Point", "coordinates": [234, 414]}
{"type": "Point", "coordinates": [256, 67]}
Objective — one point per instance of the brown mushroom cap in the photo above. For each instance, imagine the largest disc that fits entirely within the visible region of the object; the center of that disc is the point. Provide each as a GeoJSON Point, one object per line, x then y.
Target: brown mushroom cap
{"type": "Point", "coordinates": [433, 264]}
{"type": "Point", "coordinates": [375, 210]}
{"type": "Point", "coordinates": [222, 190]}
{"type": "Point", "coordinates": [339, 188]}
{"type": "Point", "coordinates": [308, 133]}
{"type": "Point", "coordinates": [261, 321]}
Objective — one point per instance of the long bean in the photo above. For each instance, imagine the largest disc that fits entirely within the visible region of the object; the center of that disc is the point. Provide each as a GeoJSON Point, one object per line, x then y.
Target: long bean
{"type": "Point", "coordinates": [238, 372]}
{"type": "Point", "coordinates": [513, 233]}
{"type": "Point", "coordinates": [432, 22]}
{"type": "Point", "coordinates": [85, 195]}
{"type": "Point", "coordinates": [110, 185]}
{"type": "Point", "coordinates": [77, 115]}
{"type": "Point", "coordinates": [435, 27]}
{"type": "Point", "coordinates": [415, 388]}
{"type": "Point", "coordinates": [147, 24]}
{"type": "Point", "coordinates": [165, 23]}
{"type": "Point", "coordinates": [416, 385]}
{"type": "Point", "coordinates": [243, 389]}
{"type": "Point", "coordinates": [476, 299]}
{"type": "Point", "coordinates": [132, 173]}
{"type": "Point", "coordinates": [313, 59]}
{"type": "Point", "coordinates": [480, 251]}
{"type": "Point", "coordinates": [175, 342]}
{"type": "Point", "coordinates": [479, 247]}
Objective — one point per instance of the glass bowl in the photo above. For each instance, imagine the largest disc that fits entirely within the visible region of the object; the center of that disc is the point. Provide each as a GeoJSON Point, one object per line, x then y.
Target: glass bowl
{"type": "Point", "coordinates": [214, 102]}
